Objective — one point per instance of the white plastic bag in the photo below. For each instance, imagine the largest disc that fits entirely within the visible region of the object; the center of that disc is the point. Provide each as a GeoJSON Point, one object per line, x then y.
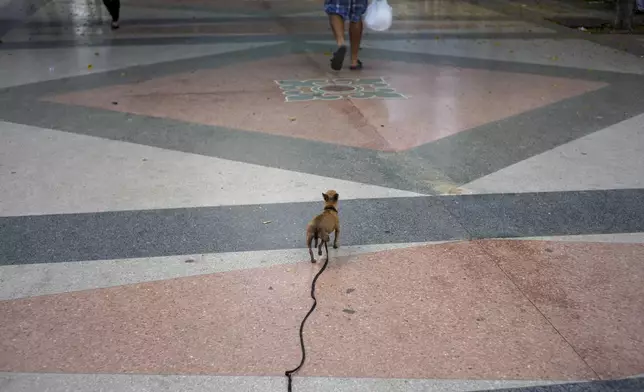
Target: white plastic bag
{"type": "Point", "coordinates": [378, 16]}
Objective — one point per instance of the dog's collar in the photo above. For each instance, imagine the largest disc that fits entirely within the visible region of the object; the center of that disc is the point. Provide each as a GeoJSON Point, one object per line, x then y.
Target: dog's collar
{"type": "Point", "coordinates": [331, 208]}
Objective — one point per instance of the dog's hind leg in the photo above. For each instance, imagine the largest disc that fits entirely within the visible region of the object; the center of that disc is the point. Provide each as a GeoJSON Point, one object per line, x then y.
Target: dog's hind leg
{"type": "Point", "coordinates": [335, 237]}
{"type": "Point", "coordinates": [309, 240]}
{"type": "Point", "coordinates": [324, 238]}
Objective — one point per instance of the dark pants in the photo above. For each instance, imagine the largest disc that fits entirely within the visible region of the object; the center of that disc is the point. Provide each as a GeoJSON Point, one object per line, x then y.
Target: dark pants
{"type": "Point", "coordinates": [114, 8]}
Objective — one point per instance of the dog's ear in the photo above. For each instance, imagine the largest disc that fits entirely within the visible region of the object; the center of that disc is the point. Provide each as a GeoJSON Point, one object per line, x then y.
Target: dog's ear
{"type": "Point", "coordinates": [326, 198]}
{"type": "Point", "coordinates": [336, 197]}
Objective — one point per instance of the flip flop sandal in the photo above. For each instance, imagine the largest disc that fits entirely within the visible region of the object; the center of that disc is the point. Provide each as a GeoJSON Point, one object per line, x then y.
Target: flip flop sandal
{"type": "Point", "coordinates": [357, 67]}
{"type": "Point", "coordinates": [338, 58]}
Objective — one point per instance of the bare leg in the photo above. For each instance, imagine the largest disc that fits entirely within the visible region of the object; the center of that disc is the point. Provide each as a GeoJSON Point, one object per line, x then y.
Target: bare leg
{"type": "Point", "coordinates": [337, 25]}
{"type": "Point", "coordinates": [355, 35]}
{"type": "Point", "coordinates": [335, 238]}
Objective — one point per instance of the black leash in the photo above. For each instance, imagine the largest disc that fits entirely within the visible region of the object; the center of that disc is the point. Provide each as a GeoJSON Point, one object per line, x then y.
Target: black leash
{"type": "Point", "coordinates": [289, 373]}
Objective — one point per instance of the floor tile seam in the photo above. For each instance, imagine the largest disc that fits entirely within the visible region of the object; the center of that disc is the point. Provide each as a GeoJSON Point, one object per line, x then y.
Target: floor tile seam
{"type": "Point", "coordinates": [346, 252]}
{"type": "Point", "coordinates": [444, 201]}
{"type": "Point", "coordinates": [568, 239]}
{"type": "Point", "coordinates": [276, 376]}
{"type": "Point", "coordinates": [353, 251]}
{"type": "Point", "coordinates": [378, 136]}
{"type": "Point", "coordinates": [495, 261]}
{"type": "Point", "coordinates": [211, 38]}
{"type": "Point", "coordinates": [186, 21]}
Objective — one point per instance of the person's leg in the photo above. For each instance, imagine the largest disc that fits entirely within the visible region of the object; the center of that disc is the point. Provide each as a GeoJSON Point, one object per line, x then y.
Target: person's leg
{"type": "Point", "coordinates": [117, 10]}
{"type": "Point", "coordinates": [356, 27]}
{"type": "Point", "coordinates": [114, 8]}
{"type": "Point", "coordinates": [355, 35]}
{"type": "Point", "coordinates": [338, 12]}
{"type": "Point", "coordinates": [337, 26]}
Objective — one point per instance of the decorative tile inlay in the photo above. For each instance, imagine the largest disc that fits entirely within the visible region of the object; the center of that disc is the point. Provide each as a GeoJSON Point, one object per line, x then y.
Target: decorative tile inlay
{"type": "Point", "coordinates": [334, 89]}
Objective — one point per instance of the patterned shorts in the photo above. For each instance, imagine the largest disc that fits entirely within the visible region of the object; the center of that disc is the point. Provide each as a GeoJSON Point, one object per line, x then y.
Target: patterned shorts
{"type": "Point", "coordinates": [351, 10]}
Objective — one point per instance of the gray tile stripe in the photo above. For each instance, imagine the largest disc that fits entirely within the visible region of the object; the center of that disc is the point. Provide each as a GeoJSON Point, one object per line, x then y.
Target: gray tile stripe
{"type": "Point", "coordinates": [16, 12]}
{"type": "Point", "coordinates": [496, 65]}
{"type": "Point", "coordinates": [128, 234]}
{"type": "Point", "coordinates": [205, 39]}
{"type": "Point", "coordinates": [558, 213]}
{"type": "Point", "coordinates": [181, 21]}
{"type": "Point", "coordinates": [21, 382]}
{"type": "Point", "coordinates": [139, 73]}
{"type": "Point", "coordinates": [622, 385]}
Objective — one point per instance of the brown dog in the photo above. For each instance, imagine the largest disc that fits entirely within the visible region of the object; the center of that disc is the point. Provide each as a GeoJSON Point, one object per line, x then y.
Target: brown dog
{"type": "Point", "coordinates": [325, 223]}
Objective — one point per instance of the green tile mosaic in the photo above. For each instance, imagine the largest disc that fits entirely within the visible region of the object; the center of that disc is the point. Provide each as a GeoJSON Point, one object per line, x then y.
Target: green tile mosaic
{"type": "Point", "coordinates": [335, 89]}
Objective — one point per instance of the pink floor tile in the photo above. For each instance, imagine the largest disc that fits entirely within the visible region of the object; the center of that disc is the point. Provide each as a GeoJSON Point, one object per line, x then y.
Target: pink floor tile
{"type": "Point", "coordinates": [442, 101]}
{"type": "Point", "coordinates": [431, 312]}
{"type": "Point", "coordinates": [592, 293]}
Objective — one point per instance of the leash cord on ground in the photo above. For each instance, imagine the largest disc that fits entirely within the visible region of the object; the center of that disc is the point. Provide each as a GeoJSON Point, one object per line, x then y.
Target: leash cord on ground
{"type": "Point", "coordinates": [289, 373]}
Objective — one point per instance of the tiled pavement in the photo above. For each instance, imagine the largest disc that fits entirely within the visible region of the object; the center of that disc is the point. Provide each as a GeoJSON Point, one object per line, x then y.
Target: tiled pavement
{"type": "Point", "coordinates": [155, 183]}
